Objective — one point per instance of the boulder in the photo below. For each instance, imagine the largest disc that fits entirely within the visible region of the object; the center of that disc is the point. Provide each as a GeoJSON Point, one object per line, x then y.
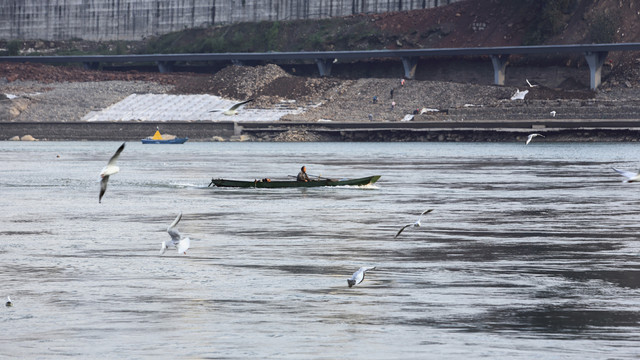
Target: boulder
{"type": "Point", "coordinates": [28, 138]}
{"type": "Point", "coordinates": [240, 138]}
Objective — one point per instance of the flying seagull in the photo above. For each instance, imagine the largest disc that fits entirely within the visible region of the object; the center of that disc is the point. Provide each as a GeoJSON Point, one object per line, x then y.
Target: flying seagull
{"type": "Point", "coordinates": [415, 224]}
{"type": "Point", "coordinates": [8, 303]}
{"type": "Point", "coordinates": [234, 109]}
{"type": "Point", "coordinates": [177, 241]}
{"type": "Point", "coordinates": [552, 113]}
{"type": "Point", "coordinates": [530, 84]}
{"type": "Point", "coordinates": [531, 136]}
{"type": "Point", "coordinates": [109, 170]}
{"type": "Point", "coordinates": [630, 176]}
{"type": "Point", "coordinates": [358, 276]}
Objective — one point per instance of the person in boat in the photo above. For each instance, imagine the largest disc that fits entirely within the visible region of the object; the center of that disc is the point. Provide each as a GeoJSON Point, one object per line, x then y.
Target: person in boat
{"type": "Point", "coordinates": [302, 175]}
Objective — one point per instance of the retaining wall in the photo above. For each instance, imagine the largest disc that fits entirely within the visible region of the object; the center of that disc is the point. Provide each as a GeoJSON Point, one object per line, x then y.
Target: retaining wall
{"type": "Point", "coordinates": [505, 131]}
{"type": "Point", "coordinates": [135, 19]}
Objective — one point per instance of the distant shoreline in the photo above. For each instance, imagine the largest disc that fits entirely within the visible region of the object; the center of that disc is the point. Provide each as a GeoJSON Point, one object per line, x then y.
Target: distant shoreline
{"type": "Point", "coordinates": [487, 131]}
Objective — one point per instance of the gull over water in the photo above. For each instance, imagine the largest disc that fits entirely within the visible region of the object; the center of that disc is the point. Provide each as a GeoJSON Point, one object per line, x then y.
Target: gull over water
{"type": "Point", "coordinates": [109, 170]}
{"type": "Point", "coordinates": [177, 241]}
{"type": "Point", "coordinates": [629, 175]}
{"type": "Point", "coordinates": [358, 276]}
{"type": "Point", "coordinates": [531, 136]}
{"type": "Point", "coordinates": [415, 224]}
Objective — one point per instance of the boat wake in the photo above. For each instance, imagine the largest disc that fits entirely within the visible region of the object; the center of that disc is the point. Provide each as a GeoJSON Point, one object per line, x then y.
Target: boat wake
{"type": "Point", "coordinates": [360, 187]}
{"type": "Point", "coordinates": [188, 186]}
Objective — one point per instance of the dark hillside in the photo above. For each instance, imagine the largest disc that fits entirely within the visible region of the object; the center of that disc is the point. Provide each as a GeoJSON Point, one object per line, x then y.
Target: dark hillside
{"type": "Point", "coordinates": [468, 23]}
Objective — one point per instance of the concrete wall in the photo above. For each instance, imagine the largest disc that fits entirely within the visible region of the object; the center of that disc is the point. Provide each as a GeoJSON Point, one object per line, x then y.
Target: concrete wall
{"type": "Point", "coordinates": [136, 19]}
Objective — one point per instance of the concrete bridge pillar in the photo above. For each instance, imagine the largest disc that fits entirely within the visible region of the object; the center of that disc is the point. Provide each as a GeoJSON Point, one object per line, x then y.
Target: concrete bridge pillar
{"type": "Point", "coordinates": [499, 66]}
{"type": "Point", "coordinates": [324, 66]}
{"type": "Point", "coordinates": [410, 64]}
{"type": "Point", "coordinates": [165, 66]}
{"type": "Point", "coordinates": [595, 60]}
{"type": "Point", "coordinates": [237, 129]}
{"type": "Point", "coordinates": [91, 65]}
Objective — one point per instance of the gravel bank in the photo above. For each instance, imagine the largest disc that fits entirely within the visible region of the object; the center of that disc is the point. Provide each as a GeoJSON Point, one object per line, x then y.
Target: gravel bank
{"type": "Point", "coordinates": [41, 93]}
{"type": "Point", "coordinates": [67, 101]}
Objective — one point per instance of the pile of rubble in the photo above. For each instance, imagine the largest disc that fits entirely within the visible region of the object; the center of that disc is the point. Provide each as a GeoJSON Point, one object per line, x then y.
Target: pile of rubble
{"type": "Point", "coordinates": [244, 82]}
{"type": "Point", "coordinates": [296, 136]}
{"type": "Point", "coordinates": [268, 85]}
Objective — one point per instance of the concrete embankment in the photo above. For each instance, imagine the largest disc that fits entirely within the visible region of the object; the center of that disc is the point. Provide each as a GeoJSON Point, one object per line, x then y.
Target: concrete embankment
{"type": "Point", "coordinates": [481, 131]}
{"type": "Point", "coordinates": [96, 131]}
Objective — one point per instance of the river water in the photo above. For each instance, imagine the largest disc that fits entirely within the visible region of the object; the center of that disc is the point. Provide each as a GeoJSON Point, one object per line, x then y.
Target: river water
{"type": "Point", "coordinates": [531, 252]}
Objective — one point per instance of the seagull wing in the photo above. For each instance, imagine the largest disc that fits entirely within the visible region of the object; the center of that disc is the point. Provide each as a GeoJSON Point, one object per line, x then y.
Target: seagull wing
{"type": "Point", "coordinates": [163, 248]}
{"type": "Point", "coordinates": [234, 107]}
{"type": "Point", "coordinates": [531, 136]}
{"type": "Point", "coordinates": [529, 139]}
{"type": "Point", "coordinates": [401, 230]}
{"type": "Point", "coordinates": [417, 223]}
{"type": "Point", "coordinates": [173, 232]}
{"type": "Point", "coordinates": [103, 187]}
{"type": "Point", "coordinates": [115, 156]}
{"type": "Point", "coordinates": [359, 275]}
{"type": "Point", "coordinates": [183, 246]}
{"type": "Point", "coordinates": [627, 174]}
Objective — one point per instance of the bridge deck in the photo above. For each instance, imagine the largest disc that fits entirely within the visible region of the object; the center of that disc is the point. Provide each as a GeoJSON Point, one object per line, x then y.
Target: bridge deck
{"type": "Point", "coordinates": [595, 55]}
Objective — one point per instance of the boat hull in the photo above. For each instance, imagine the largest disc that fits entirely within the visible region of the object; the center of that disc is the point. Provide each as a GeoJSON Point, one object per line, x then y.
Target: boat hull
{"type": "Point", "coordinates": [172, 141]}
{"type": "Point", "coordinates": [294, 184]}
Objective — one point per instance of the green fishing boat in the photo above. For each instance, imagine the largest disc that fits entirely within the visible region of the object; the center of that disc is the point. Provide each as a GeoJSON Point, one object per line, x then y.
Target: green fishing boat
{"type": "Point", "coordinates": [268, 183]}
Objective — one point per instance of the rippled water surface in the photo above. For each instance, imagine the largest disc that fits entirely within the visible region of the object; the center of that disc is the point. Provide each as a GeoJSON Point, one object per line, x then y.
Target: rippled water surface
{"type": "Point", "coordinates": [532, 252]}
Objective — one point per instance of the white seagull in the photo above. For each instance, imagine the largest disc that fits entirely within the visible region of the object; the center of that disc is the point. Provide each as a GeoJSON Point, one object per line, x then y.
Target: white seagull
{"type": "Point", "coordinates": [531, 136]}
{"type": "Point", "coordinates": [109, 170]}
{"type": "Point", "coordinates": [552, 113]}
{"type": "Point", "coordinates": [358, 276]}
{"type": "Point", "coordinates": [630, 176]}
{"type": "Point", "coordinates": [415, 224]}
{"type": "Point", "coordinates": [519, 95]}
{"type": "Point", "coordinates": [8, 303]}
{"type": "Point", "coordinates": [530, 85]}
{"type": "Point", "coordinates": [177, 241]}
{"type": "Point", "coordinates": [234, 109]}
